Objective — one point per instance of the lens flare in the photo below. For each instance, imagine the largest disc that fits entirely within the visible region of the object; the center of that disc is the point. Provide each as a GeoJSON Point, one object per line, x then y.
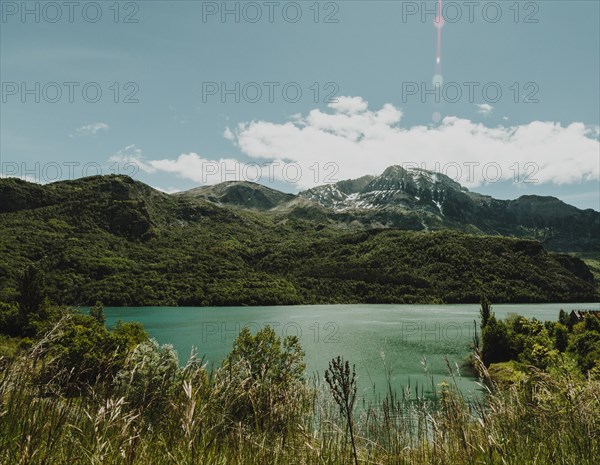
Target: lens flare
{"type": "Point", "coordinates": [438, 22]}
{"type": "Point", "coordinates": [438, 80]}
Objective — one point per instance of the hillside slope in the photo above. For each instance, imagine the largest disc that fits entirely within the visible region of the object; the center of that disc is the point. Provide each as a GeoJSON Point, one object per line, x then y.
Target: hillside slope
{"type": "Point", "coordinates": [120, 241]}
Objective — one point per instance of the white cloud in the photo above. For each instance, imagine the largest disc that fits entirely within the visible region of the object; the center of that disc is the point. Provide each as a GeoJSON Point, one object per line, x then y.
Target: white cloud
{"type": "Point", "coordinates": [228, 134]}
{"type": "Point", "coordinates": [194, 167]}
{"type": "Point", "coordinates": [484, 108]}
{"type": "Point", "coordinates": [91, 129]}
{"type": "Point", "coordinates": [349, 141]}
{"type": "Point", "coordinates": [170, 190]}
{"type": "Point", "coordinates": [349, 105]}
{"type": "Point", "coordinates": [367, 141]}
{"type": "Point", "coordinates": [132, 154]}
{"type": "Point", "coordinates": [211, 171]}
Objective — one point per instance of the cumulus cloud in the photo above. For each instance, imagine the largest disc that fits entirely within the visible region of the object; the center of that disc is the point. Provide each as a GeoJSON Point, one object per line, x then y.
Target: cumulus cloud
{"type": "Point", "coordinates": [199, 169]}
{"type": "Point", "coordinates": [227, 134]}
{"type": "Point", "coordinates": [359, 141]}
{"type": "Point", "coordinates": [349, 105]}
{"type": "Point", "coordinates": [484, 108]}
{"type": "Point", "coordinates": [132, 155]}
{"type": "Point", "coordinates": [350, 140]}
{"type": "Point", "coordinates": [91, 129]}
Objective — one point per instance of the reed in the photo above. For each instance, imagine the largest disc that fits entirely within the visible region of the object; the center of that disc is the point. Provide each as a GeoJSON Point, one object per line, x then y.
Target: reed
{"type": "Point", "coordinates": [191, 416]}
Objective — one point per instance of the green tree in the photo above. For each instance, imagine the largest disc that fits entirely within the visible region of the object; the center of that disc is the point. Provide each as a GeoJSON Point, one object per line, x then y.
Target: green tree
{"type": "Point", "coordinates": [269, 360]}
{"type": "Point", "coordinates": [592, 323]}
{"type": "Point", "coordinates": [561, 337]}
{"type": "Point", "coordinates": [563, 317]}
{"type": "Point", "coordinates": [127, 336]}
{"type": "Point", "coordinates": [586, 348]}
{"type": "Point", "coordinates": [9, 319]}
{"type": "Point", "coordinates": [584, 343]}
{"type": "Point", "coordinates": [85, 353]}
{"type": "Point", "coordinates": [32, 295]}
{"type": "Point", "coordinates": [97, 312]}
{"type": "Point", "coordinates": [485, 311]}
{"type": "Point", "coordinates": [496, 342]}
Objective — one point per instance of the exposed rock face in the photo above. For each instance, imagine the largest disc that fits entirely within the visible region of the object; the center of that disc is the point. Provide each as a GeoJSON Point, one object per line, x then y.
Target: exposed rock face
{"type": "Point", "coordinates": [423, 199]}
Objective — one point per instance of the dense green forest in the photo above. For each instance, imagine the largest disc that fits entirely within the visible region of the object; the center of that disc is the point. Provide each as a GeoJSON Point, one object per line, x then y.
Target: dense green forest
{"type": "Point", "coordinates": [121, 242]}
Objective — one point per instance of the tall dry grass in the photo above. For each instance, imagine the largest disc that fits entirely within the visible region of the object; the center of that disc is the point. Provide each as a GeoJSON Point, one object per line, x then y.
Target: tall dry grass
{"type": "Point", "coordinates": [549, 419]}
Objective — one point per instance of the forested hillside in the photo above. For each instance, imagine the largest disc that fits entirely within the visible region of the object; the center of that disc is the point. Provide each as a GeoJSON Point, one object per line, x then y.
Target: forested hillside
{"type": "Point", "coordinates": [119, 241]}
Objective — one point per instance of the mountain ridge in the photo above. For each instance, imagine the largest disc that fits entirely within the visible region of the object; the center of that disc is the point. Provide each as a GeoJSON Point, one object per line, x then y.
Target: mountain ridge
{"type": "Point", "coordinates": [425, 200]}
{"type": "Point", "coordinates": [117, 240]}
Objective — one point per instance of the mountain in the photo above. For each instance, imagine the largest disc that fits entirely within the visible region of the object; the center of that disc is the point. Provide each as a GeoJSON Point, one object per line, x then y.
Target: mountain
{"type": "Point", "coordinates": [395, 187]}
{"type": "Point", "coordinates": [241, 194]}
{"type": "Point", "coordinates": [421, 200]}
{"type": "Point", "coordinates": [117, 240]}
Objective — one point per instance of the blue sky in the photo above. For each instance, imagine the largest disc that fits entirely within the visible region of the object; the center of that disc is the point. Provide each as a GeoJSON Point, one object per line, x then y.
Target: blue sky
{"type": "Point", "coordinates": [164, 120]}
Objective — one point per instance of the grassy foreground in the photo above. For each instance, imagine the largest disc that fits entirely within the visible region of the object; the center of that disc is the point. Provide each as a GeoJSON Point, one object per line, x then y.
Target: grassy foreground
{"type": "Point", "coordinates": [257, 409]}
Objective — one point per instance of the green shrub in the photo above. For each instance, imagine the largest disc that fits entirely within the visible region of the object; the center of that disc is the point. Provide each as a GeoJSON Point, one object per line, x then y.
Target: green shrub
{"type": "Point", "coordinates": [149, 378]}
{"type": "Point", "coordinates": [496, 342]}
{"type": "Point", "coordinates": [507, 373]}
{"type": "Point", "coordinates": [266, 377]}
{"type": "Point", "coordinates": [586, 349]}
{"type": "Point", "coordinates": [79, 355]}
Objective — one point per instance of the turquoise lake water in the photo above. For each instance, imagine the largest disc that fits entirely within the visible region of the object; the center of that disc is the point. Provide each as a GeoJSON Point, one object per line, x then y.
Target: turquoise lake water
{"type": "Point", "coordinates": [366, 335]}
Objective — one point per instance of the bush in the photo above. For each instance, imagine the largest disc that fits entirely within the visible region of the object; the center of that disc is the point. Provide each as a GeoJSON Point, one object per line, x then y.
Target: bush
{"type": "Point", "coordinates": [79, 355]}
{"type": "Point", "coordinates": [82, 352]}
{"type": "Point", "coordinates": [507, 373]}
{"type": "Point", "coordinates": [149, 378]}
{"type": "Point", "coordinates": [266, 377]}
{"type": "Point", "coordinates": [586, 348]}
{"type": "Point", "coordinates": [496, 342]}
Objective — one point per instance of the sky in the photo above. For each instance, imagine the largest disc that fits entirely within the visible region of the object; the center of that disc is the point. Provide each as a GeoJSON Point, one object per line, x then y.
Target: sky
{"type": "Point", "coordinates": [179, 94]}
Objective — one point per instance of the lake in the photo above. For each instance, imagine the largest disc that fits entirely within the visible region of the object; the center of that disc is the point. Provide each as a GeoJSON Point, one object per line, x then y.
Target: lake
{"type": "Point", "coordinates": [366, 335]}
